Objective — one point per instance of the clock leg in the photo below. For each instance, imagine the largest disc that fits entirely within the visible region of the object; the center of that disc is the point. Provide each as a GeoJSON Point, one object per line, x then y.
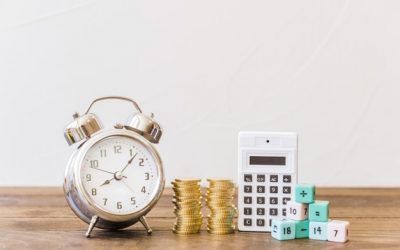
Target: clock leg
{"type": "Point", "coordinates": [93, 222]}
{"type": "Point", "coordinates": [144, 223]}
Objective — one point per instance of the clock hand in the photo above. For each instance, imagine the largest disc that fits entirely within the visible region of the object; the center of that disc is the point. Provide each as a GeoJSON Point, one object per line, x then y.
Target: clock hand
{"type": "Point", "coordinates": [129, 162]}
{"type": "Point", "coordinates": [126, 184]}
{"type": "Point", "coordinates": [103, 170]}
{"type": "Point", "coordinates": [109, 181]}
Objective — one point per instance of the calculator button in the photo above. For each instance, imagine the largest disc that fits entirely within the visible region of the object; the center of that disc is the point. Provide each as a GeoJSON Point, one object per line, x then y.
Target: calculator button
{"type": "Point", "coordinates": [273, 200]}
{"type": "Point", "coordinates": [260, 178]}
{"type": "Point", "coordinates": [284, 211]}
{"type": "Point", "coordinates": [247, 200]}
{"type": "Point", "coordinates": [248, 178]}
{"type": "Point", "coordinates": [248, 189]}
{"type": "Point", "coordinates": [270, 222]}
{"type": "Point", "coordinates": [273, 189]}
{"type": "Point", "coordinates": [285, 200]}
{"type": "Point", "coordinates": [247, 222]}
{"type": "Point", "coordinates": [260, 200]}
{"type": "Point", "coordinates": [247, 211]}
{"type": "Point", "coordinates": [260, 211]}
{"type": "Point", "coordinates": [287, 190]}
{"type": "Point", "coordinates": [273, 178]}
{"type": "Point", "coordinates": [260, 222]}
{"type": "Point", "coordinates": [273, 211]}
{"type": "Point", "coordinates": [260, 189]}
{"type": "Point", "coordinates": [287, 178]}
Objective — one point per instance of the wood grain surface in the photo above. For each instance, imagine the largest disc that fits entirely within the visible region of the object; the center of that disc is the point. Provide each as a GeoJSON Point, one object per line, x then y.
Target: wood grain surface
{"type": "Point", "coordinates": [39, 218]}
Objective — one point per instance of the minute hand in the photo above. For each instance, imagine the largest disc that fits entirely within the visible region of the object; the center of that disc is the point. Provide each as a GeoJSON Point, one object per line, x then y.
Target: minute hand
{"type": "Point", "coordinates": [129, 162]}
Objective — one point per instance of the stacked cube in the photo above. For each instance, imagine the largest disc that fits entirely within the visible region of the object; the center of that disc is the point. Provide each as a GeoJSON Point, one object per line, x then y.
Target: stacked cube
{"type": "Point", "coordinates": [309, 218]}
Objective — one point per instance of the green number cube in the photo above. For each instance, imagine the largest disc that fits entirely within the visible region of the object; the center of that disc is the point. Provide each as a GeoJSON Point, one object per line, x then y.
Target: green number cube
{"type": "Point", "coordinates": [318, 211]}
{"type": "Point", "coordinates": [302, 227]}
{"type": "Point", "coordinates": [304, 193]}
{"type": "Point", "coordinates": [283, 229]}
{"type": "Point", "coordinates": [318, 230]}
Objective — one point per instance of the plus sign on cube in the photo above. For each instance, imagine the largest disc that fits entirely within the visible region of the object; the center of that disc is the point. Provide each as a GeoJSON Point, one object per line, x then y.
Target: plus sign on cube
{"type": "Point", "coordinates": [318, 230]}
{"type": "Point", "coordinates": [318, 211]}
{"type": "Point", "coordinates": [338, 231]}
{"type": "Point", "coordinates": [304, 193]}
{"type": "Point", "coordinates": [283, 229]}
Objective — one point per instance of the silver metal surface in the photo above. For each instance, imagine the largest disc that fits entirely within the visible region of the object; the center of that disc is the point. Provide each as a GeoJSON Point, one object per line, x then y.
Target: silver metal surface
{"type": "Point", "coordinates": [146, 126]}
{"type": "Point", "coordinates": [93, 222]}
{"type": "Point", "coordinates": [144, 223]}
{"type": "Point", "coordinates": [114, 98]}
{"type": "Point", "coordinates": [80, 201]}
{"type": "Point", "coordinates": [83, 127]}
{"type": "Point", "coordinates": [88, 128]}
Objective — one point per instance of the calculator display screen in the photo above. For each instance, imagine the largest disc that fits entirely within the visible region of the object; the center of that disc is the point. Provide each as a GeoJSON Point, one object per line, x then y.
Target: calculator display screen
{"type": "Point", "coordinates": [268, 160]}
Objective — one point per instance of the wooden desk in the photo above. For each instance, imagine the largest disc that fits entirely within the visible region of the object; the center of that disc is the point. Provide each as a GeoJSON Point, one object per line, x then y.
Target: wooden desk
{"type": "Point", "coordinates": [39, 218]}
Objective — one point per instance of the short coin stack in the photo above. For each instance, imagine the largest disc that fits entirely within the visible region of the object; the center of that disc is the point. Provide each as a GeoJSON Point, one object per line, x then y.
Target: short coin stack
{"type": "Point", "coordinates": [219, 200]}
{"type": "Point", "coordinates": [187, 201]}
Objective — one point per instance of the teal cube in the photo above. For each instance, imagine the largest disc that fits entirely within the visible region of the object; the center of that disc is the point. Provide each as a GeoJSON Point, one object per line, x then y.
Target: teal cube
{"type": "Point", "coordinates": [302, 227]}
{"type": "Point", "coordinates": [283, 229]}
{"type": "Point", "coordinates": [318, 230]}
{"type": "Point", "coordinates": [318, 211]}
{"type": "Point", "coordinates": [304, 193]}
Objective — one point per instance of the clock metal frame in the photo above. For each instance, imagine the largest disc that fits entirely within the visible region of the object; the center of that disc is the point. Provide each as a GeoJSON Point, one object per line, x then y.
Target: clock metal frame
{"type": "Point", "coordinates": [81, 203]}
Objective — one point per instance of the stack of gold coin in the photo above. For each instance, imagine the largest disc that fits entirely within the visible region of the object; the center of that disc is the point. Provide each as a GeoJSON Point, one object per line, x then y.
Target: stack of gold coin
{"type": "Point", "coordinates": [219, 200]}
{"type": "Point", "coordinates": [187, 201]}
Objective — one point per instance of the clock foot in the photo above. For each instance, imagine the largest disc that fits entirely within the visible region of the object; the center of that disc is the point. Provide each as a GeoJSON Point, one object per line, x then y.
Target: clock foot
{"type": "Point", "coordinates": [144, 223]}
{"type": "Point", "coordinates": [93, 222]}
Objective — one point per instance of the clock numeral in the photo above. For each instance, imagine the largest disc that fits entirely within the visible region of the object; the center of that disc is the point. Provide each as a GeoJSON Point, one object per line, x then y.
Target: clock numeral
{"type": "Point", "coordinates": [119, 205]}
{"type": "Point", "coordinates": [146, 176]}
{"type": "Point", "coordinates": [103, 153]}
{"type": "Point", "coordinates": [88, 177]}
{"type": "Point", "coordinates": [94, 191]}
{"type": "Point", "coordinates": [141, 161]}
{"type": "Point", "coordinates": [105, 201]}
{"type": "Point", "coordinates": [94, 163]}
{"type": "Point", "coordinates": [133, 201]}
{"type": "Point", "coordinates": [143, 189]}
{"type": "Point", "coordinates": [117, 149]}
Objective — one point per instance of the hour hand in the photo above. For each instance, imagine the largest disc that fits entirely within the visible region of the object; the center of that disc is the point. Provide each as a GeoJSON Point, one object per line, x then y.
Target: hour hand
{"type": "Point", "coordinates": [109, 181]}
{"type": "Point", "coordinates": [106, 182]}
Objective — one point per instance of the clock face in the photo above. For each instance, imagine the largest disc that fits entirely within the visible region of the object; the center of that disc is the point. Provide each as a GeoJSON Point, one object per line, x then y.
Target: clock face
{"type": "Point", "coordinates": [120, 175]}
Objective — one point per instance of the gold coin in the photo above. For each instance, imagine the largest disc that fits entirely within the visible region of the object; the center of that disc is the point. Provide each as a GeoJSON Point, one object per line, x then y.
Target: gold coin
{"type": "Point", "coordinates": [183, 184]}
{"type": "Point", "coordinates": [188, 180]}
{"type": "Point", "coordinates": [187, 198]}
{"type": "Point", "coordinates": [219, 180]}
{"type": "Point", "coordinates": [221, 232]}
{"type": "Point", "coordinates": [186, 231]}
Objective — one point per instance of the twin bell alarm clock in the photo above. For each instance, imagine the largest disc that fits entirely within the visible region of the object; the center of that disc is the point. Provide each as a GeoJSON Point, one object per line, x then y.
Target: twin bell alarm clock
{"type": "Point", "coordinates": [115, 176]}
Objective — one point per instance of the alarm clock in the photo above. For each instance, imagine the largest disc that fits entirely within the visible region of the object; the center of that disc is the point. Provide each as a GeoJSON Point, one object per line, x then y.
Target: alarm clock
{"type": "Point", "coordinates": [115, 176]}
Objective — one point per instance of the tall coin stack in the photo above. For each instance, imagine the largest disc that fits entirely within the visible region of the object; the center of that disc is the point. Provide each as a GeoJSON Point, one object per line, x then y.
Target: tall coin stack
{"type": "Point", "coordinates": [187, 201]}
{"type": "Point", "coordinates": [219, 200]}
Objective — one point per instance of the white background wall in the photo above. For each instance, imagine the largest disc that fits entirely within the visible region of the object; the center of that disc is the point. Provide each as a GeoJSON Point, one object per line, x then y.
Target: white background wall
{"type": "Point", "coordinates": [329, 70]}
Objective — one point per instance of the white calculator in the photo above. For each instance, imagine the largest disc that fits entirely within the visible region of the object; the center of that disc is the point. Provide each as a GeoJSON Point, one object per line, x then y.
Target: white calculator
{"type": "Point", "coordinates": [267, 168]}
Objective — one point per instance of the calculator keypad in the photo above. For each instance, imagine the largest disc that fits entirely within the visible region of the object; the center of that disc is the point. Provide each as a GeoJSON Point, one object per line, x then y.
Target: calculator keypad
{"type": "Point", "coordinates": [264, 198]}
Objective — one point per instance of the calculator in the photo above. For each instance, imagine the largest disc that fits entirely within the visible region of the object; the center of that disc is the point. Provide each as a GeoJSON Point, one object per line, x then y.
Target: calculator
{"type": "Point", "coordinates": [267, 174]}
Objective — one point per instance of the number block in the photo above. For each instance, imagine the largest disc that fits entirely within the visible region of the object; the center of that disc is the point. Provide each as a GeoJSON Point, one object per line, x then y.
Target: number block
{"type": "Point", "coordinates": [297, 211]}
{"type": "Point", "coordinates": [304, 193]}
{"type": "Point", "coordinates": [319, 211]}
{"type": "Point", "coordinates": [283, 229]}
{"type": "Point", "coordinates": [302, 229]}
{"type": "Point", "coordinates": [338, 231]}
{"type": "Point", "coordinates": [318, 230]}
